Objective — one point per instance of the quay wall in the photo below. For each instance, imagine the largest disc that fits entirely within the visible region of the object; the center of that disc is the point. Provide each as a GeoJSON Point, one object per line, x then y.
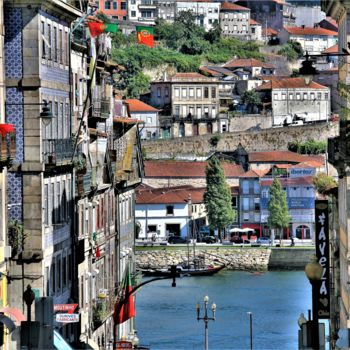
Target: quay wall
{"type": "Point", "coordinates": [235, 258]}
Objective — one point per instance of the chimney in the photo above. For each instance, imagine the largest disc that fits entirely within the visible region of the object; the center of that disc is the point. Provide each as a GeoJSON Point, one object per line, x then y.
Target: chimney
{"type": "Point", "coordinates": [307, 80]}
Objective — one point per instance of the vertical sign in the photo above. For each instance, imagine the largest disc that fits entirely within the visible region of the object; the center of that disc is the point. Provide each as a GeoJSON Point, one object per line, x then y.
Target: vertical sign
{"type": "Point", "coordinates": [322, 253]}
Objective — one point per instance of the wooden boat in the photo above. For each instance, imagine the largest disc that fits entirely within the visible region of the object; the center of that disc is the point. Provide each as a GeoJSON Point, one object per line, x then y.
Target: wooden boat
{"type": "Point", "coordinates": [185, 271]}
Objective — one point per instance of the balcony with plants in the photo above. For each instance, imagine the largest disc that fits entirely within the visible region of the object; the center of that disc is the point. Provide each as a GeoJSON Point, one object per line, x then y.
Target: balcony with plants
{"type": "Point", "coordinates": [7, 145]}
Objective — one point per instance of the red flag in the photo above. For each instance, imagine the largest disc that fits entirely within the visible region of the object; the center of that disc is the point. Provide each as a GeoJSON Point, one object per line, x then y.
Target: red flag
{"type": "Point", "coordinates": [145, 35]}
{"type": "Point", "coordinates": [127, 310]}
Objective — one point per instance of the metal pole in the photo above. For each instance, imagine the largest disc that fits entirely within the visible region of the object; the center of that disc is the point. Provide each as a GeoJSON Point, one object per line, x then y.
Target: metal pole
{"type": "Point", "coordinates": [251, 329]}
{"type": "Point", "coordinates": [315, 333]}
{"type": "Point", "coordinates": [206, 335]}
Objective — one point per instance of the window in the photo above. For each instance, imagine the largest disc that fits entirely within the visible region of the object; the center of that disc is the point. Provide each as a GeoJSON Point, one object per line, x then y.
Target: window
{"type": "Point", "coordinates": [326, 96]}
{"type": "Point", "coordinates": [213, 92]}
{"type": "Point", "coordinates": [199, 92]}
{"type": "Point", "coordinates": [166, 92]}
{"type": "Point", "coordinates": [253, 30]}
{"type": "Point", "coordinates": [115, 6]}
{"type": "Point", "coordinates": [169, 210]}
{"type": "Point", "coordinates": [184, 92]}
{"type": "Point", "coordinates": [206, 112]}
{"type": "Point", "coordinates": [59, 274]}
{"type": "Point", "coordinates": [46, 204]}
{"type": "Point", "coordinates": [199, 112]}
{"type": "Point", "coordinates": [256, 203]}
{"type": "Point", "coordinates": [256, 187]}
{"type": "Point", "coordinates": [159, 93]}
{"type": "Point", "coordinates": [133, 13]}
{"type": "Point", "coordinates": [319, 95]}
{"type": "Point", "coordinates": [52, 208]}
{"type": "Point", "coordinates": [275, 97]}
{"type": "Point", "coordinates": [312, 95]}
{"type": "Point", "coordinates": [234, 202]}
{"type": "Point", "coordinates": [176, 111]}
{"type": "Point", "coordinates": [123, 5]}
{"type": "Point", "coordinates": [213, 112]}
{"type": "Point", "coordinates": [245, 203]}
{"type": "Point", "coordinates": [177, 92]}
{"type": "Point", "coordinates": [245, 216]}
{"type": "Point", "coordinates": [244, 27]}
{"type": "Point", "coordinates": [284, 96]}
{"type": "Point", "coordinates": [235, 28]}
{"type": "Point", "coordinates": [43, 40]}
{"type": "Point", "coordinates": [206, 92]}
{"type": "Point", "coordinates": [245, 186]}
{"type": "Point", "coordinates": [149, 120]}
{"type": "Point", "coordinates": [191, 92]}
{"type": "Point", "coordinates": [107, 5]}
{"type": "Point", "coordinates": [49, 40]}
{"type": "Point", "coordinates": [298, 95]}
{"type": "Point", "coordinates": [291, 96]}
{"type": "Point", "coordinates": [47, 281]}
{"type": "Point", "coordinates": [305, 97]}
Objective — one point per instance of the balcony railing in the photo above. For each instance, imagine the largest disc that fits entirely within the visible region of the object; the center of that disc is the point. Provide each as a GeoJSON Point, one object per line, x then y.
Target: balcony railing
{"type": "Point", "coordinates": [57, 151]}
{"type": "Point", "coordinates": [102, 309]}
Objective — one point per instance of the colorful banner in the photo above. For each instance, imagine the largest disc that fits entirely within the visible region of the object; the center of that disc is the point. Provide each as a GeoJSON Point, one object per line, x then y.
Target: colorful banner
{"type": "Point", "coordinates": [322, 253]}
{"type": "Point", "coordinates": [145, 35]}
{"type": "Point", "coordinates": [98, 28]}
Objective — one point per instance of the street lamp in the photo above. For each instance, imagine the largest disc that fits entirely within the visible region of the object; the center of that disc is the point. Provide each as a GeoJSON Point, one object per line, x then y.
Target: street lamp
{"type": "Point", "coordinates": [314, 272]}
{"type": "Point", "coordinates": [205, 318]}
{"type": "Point", "coordinates": [45, 115]}
{"type": "Point", "coordinates": [29, 297]}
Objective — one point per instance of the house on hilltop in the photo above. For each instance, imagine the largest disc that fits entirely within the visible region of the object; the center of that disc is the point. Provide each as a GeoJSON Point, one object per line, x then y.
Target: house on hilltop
{"type": "Point", "coordinates": [296, 99]}
{"type": "Point", "coordinates": [190, 105]}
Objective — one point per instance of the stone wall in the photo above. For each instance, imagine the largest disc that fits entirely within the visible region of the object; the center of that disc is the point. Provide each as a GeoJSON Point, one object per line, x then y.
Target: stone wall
{"type": "Point", "coordinates": [269, 139]}
{"type": "Point", "coordinates": [234, 259]}
{"type": "Point", "coordinates": [242, 123]}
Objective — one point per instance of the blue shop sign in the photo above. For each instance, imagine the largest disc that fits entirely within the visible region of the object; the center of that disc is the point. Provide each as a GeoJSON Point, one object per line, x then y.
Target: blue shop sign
{"type": "Point", "coordinates": [293, 203]}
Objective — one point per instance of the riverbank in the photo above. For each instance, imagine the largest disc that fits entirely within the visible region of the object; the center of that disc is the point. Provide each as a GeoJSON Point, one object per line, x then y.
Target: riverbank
{"type": "Point", "coordinates": [235, 258]}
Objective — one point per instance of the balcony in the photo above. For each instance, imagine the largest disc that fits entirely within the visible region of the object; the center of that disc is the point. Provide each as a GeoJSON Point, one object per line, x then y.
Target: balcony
{"type": "Point", "coordinates": [148, 5]}
{"type": "Point", "coordinates": [7, 144]}
{"type": "Point", "coordinates": [103, 309]}
{"type": "Point", "coordinates": [57, 151]}
{"type": "Point", "coordinates": [79, 39]}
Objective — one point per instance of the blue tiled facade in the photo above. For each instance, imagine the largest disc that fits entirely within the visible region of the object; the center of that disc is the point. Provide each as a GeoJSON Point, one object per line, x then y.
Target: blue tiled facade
{"type": "Point", "coordinates": [13, 43]}
{"type": "Point", "coordinates": [14, 195]}
{"type": "Point", "coordinates": [54, 74]}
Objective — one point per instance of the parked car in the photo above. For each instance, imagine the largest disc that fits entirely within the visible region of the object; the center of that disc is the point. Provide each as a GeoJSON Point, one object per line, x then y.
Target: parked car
{"type": "Point", "coordinates": [239, 240]}
{"type": "Point", "coordinates": [177, 240]}
{"type": "Point", "coordinates": [263, 241]}
{"type": "Point", "coordinates": [208, 239]}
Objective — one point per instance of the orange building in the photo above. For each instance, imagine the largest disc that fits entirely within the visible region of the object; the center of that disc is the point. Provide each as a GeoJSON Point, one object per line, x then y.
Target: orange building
{"type": "Point", "coordinates": [118, 9]}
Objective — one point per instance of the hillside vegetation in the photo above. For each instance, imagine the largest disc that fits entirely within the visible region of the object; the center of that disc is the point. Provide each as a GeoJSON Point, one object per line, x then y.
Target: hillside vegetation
{"type": "Point", "coordinates": [181, 44]}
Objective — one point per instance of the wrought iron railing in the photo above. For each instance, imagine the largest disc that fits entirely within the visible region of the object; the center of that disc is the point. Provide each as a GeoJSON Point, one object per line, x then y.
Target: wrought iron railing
{"type": "Point", "coordinates": [7, 148]}
{"type": "Point", "coordinates": [57, 150]}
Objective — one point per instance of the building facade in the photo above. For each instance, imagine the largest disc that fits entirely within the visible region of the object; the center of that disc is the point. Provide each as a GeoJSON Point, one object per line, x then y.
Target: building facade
{"type": "Point", "coordinates": [235, 21]}
{"type": "Point", "coordinates": [313, 40]}
{"type": "Point", "coordinates": [117, 9]}
{"type": "Point", "coordinates": [296, 97]}
{"type": "Point", "coordinates": [190, 105]}
{"type": "Point", "coordinates": [143, 11]}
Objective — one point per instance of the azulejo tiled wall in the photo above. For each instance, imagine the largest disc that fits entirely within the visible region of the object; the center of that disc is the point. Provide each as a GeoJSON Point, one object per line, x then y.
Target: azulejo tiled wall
{"type": "Point", "coordinates": [13, 43]}
{"type": "Point", "coordinates": [14, 113]}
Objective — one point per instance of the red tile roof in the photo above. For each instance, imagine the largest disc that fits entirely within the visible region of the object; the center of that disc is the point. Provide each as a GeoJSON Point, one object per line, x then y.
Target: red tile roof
{"type": "Point", "coordinates": [282, 156]}
{"type": "Point", "coordinates": [290, 181]}
{"type": "Point", "coordinates": [228, 6]}
{"type": "Point", "coordinates": [332, 49]}
{"type": "Point", "coordinates": [310, 31]}
{"type": "Point", "coordinates": [139, 106]}
{"type": "Point", "coordinates": [255, 173]}
{"type": "Point", "coordinates": [252, 22]}
{"type": "Point", "coordinates": [247, 62]}
{"type": "Point", "coordinates": [289, 83]}
{"type": "Point", "coordinates": [270, 32]}
{"type": "Point", "coordinates": [170, 195]}
{"type": "Point", "coordinates": [183, 169]}
{"type": "Point", "coordinates": [209, 71]}
{"type": "Point", "coordinates": [188, 76]}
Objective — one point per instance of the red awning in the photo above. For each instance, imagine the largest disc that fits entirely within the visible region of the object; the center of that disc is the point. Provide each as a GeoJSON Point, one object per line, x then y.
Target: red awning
{"type": "Point", "coordinates": [15, 314]}
{"type": "Point", "coordinates": [126, 120]}
{"type": "Point", "coordinates": [253, 226]}
{"type": "Point", "coordinates": [6, 128]}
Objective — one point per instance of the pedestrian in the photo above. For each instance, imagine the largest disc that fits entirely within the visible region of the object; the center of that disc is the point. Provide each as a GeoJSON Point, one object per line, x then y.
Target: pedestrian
{"type": "Point", "coordinates": [292, 241]}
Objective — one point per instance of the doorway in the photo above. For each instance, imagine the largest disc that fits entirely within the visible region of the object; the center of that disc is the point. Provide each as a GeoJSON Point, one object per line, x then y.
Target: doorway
{"type": "Point", "coordinates": [172, 229]}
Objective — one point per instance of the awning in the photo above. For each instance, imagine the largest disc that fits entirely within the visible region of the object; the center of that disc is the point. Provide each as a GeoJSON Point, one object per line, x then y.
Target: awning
{"type": "Point", "coordinates": [10, 325]}
{"type": "Point", "coordinates": [14, 313]}
{"type": "Point", "coordinates": [59, 342]}
{"type": "Point", "coordinates": [6, 128]}
{"type": "Point", "coordinates": [126, 120]}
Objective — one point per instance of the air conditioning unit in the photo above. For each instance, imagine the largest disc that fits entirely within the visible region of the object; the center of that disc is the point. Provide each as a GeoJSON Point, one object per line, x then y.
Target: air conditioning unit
{"type": "Point", "coordinates": [7, 251]}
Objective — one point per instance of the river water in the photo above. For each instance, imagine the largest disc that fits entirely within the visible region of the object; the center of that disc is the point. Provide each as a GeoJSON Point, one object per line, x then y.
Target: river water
{"type": "Point", "coordinates": [166, 316]}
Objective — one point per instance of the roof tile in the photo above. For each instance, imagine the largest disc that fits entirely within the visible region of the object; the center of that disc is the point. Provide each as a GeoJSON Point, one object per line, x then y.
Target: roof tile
{"type": "Point", "coordinates": [139, 106]}
{"type": "Point", "coordinates": [289, 83]}
{"type": "Point", "coordinates": [247, 62]}
{"type": "Point", "coordinates": [310, 31]}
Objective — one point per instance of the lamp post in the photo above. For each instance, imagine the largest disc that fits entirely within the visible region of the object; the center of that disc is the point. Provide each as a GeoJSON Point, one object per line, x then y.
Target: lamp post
{"type": "Point", "coordinates": [45, 115]}
{"type": "Point", "coordinates": [314, 272]}
{"type": "Point", "coordinates": [251, 329]}
{"type": "Point", "coordinates": [28, 297]}
{"type": "Point", "coordinates": [205, 318]}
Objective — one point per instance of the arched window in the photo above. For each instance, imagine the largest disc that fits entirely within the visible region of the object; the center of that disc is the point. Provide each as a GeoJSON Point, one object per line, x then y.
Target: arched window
{"type": "Point", "coordinates": [303, 232]}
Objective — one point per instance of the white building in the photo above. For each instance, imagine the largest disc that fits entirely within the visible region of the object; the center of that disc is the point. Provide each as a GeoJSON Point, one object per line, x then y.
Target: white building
{"type": "Point", "coordinates": [146, 113]}
{"type": "Point", "coordinates": [143, 11]}
{"type": "Point", "coordinates": [312, 40]}
{"type": "Point", "coordinates": [235, 20]}
{"type": "Point", "coordinates": [206, 12]}
{"type": "Point", "coordinates": [162, 212]}
{"type": "Point", "coordinates": [292, 97]}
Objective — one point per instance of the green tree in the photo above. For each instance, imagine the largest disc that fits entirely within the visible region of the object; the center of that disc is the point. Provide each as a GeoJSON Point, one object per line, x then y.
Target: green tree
{"type": "Point", "coordinates": [279, 217]}
{"type": "Point", "coordinates": [217, 197]}
{"type": "Point", "coordinates": [324, 183]}
{"type": "Point", "coordinates": [214, 34]}
{"type": "Point", "coordinates": [251, 99]}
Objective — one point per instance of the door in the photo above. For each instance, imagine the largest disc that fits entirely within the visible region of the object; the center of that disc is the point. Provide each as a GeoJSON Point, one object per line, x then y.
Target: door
{"type": "Point", "coordinates": [173, 229]}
